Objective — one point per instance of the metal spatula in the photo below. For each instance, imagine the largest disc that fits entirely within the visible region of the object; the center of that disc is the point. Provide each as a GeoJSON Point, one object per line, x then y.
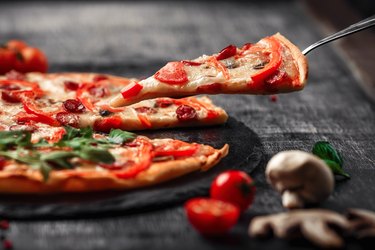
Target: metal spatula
{"type": "Point", "coordinates": [361, 25]}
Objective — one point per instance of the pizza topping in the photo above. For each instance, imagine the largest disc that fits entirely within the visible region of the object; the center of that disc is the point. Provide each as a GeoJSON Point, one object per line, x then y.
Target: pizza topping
{"type": "Point", "coordinates": [70, 85]}
{"type": "Point", "coordinates": [72, 144]}
{"type": "Point", "coordinates": [67, 119]}
{"type": "Point", "coordinates": [144, 121]}
{"type": "Point", "coordinates": [163, 103]}
{"type": "Point", "coordinates": [104, 112]}
{"type": "Point", "coordinates": [98, 91]}
{"type": "Point", "coordinates": [176, 148]}
{"type": "Point", "coordinates": [98, 78]}
{"type": "Point", "coordinates": [186, 113]}
{"type": "Point", "coordinates": [191, 63]}
{"type": "Point", "coordinates": [227, 52]}
{"type": "Point", "coordinates": [131, 90]}
{"type": "Point", "coordinates": [74, 106]}
{"type": "Point", "coordinates": [274, 56]}
{"type": "Point", "coordinates": [147, 110]}
{"type": "Point", "coordinates": [15, 75]}
{"type": "Point", "coordinates": [42, 117]}
{"type": "Point", "coordinates": [142, 159]}
{"type": "Point", "coordinates": [106, 124]}
{"type": "Point", "coordinates": [172, 73]}
{"type": "Point", "coordinates": [8, 97]}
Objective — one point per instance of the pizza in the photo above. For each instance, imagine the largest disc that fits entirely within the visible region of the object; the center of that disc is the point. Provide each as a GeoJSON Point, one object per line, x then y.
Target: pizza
{"type": "Point", "coordinates": [83, 161]}
{"type": "Point", "coordinates": [59, 134]}
{"type": "Point", "coordinates": [44, 103]}
{"type": "Point", "coordinates": [272, 65]}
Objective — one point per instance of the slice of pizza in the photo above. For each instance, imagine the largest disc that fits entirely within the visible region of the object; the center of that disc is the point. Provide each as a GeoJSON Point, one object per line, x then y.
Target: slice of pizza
{"type": "Point", "coordinates": [273, 65]}
{"type": "Point", "coordinates": [43, 103]}
{"type": "Point", "coordinates": [82, 161]}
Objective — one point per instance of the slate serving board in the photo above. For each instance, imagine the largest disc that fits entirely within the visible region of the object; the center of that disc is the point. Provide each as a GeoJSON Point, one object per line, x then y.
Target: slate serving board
{"type": "Point", "coordinates": [245, 153]}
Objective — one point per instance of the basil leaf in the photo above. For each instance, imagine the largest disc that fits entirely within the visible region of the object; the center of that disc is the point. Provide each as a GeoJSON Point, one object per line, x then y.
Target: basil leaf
{"type": "Point", "coordinates": [118, 136]}
{"type": "Point", "coordinates": [336, 169]}
{"type": "Point", "coordinates": [325, 150]}
{"type": "Point", "coordinates": [96, 155]}
{"type": "Point", "coordinates": [331, 156]}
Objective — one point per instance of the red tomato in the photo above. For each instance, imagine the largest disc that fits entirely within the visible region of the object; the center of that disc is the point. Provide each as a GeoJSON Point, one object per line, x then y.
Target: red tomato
{"type": "Point", "coordinates": [16, 45]}
{"type": "Point", "coordinates": [31, 60]}
{"type": "Point", "coordinates": [7, 60]}
{"type": "Point", "coordinates": [176, 148]}
{"type": "Point", "coordinates": [211, 217]}
{"type": "Point", "coordinates": [172, 73]}
{"type": "Point", "coordinates": [235, 187]}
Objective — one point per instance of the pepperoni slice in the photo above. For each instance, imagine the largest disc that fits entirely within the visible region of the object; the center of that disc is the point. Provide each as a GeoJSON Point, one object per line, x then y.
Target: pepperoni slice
{"type": "Point", "coordinates": [65, 118]}
{"type": "Point", "coordinates": [186, 113]}
{"type": "Point", "coordinates": [172, 73]}
{"type": "Point", "coordinates": [74, 106]}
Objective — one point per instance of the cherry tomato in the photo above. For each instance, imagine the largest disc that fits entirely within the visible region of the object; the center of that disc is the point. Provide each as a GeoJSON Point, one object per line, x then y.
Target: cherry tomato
{"type": "Point", "coordinates": [7, 60]}
{"type": "Point", "coordinates": [210, 216]}
{"type": "Point", "coordinates": [235, 187]}
{"type": "Point", "coordinates": [172, 73]}
{"type": "Point", "coordinates": [31, 60]}
{"type": "Point", "coordinates": [16, 45]}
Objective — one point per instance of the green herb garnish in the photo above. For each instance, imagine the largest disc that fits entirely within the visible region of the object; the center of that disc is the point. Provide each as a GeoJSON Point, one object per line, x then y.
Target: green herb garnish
{"type": "Point", "coordinates": [17, 145]}
{"type": "Point", "coordinates": [331, 156]}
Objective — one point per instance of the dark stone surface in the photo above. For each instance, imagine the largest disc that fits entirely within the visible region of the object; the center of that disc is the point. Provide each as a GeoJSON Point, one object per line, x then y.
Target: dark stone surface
{"type": "Point", "coordinates": [135, 38]}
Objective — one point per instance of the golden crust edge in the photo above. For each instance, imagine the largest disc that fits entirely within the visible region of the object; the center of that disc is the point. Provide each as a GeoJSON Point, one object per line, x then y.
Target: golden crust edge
{"type": "Point", "coordinates": [157, 173]}
{"type": "Point", "coordinates": [298, 56]}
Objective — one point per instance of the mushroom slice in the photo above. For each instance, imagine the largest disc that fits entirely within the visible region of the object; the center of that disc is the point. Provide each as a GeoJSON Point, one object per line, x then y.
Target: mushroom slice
{"type": "Point", "coordinates": [315, 225]}
{"type": "Point", "coordinates": [362, 223]}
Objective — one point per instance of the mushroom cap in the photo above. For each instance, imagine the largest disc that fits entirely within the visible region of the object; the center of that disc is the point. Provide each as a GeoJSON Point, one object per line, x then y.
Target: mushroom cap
{"type": "Point", "coordinates": [301, 178]}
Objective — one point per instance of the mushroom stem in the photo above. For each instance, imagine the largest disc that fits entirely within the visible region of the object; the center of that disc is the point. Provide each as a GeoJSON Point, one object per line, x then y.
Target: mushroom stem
{"type": "Point", "coordinates": [292, 200]}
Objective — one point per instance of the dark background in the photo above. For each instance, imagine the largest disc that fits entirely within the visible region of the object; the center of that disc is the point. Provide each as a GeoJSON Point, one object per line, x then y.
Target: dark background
{"type": "Point", "coordinates": [136, 38]}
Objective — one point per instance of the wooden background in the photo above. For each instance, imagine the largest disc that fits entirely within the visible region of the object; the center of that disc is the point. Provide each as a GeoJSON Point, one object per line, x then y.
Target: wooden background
{"type": "Point", "coordinates": [135, 38]}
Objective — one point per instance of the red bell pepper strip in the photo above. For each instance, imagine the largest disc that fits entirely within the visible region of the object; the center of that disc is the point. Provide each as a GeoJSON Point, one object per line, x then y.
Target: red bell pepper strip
{"type": "Point", "coordinates": [131, 90]}
{"type": "Point", "coordinates": [227, 52]}
{"type": "Point", "coordinates": [143, 160]}
{"type": "Point", "coordinates": [274, 63]}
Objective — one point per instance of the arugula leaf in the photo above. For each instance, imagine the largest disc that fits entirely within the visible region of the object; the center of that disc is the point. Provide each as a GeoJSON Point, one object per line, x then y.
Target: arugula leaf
{"type": "Point", "coordinates": [14, 138]}
{"type": "Point", "coordinates": [96, 155]}
{"type": "Point", "coordinates": [45, 170]}
{"type": "Point", "coordinates": [58, 159]}
{"type": "Point", "coordinates": [118, 136]}
{"type": "Point", "coordinates": [81, 141]}
{"type": "Point", "coordinates": [331, 156]}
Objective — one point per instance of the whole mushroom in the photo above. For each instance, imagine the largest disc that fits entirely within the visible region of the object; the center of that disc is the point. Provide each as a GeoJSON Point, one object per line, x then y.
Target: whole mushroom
{"type": "Point", "coordinates": [300, 177]}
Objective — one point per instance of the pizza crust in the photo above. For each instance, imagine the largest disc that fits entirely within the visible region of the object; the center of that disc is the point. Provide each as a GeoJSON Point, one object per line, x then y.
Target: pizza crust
{"type": "Point", "coordinates": [298, 57]}
{"type": "Point", "coordinates": [69, 181]}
